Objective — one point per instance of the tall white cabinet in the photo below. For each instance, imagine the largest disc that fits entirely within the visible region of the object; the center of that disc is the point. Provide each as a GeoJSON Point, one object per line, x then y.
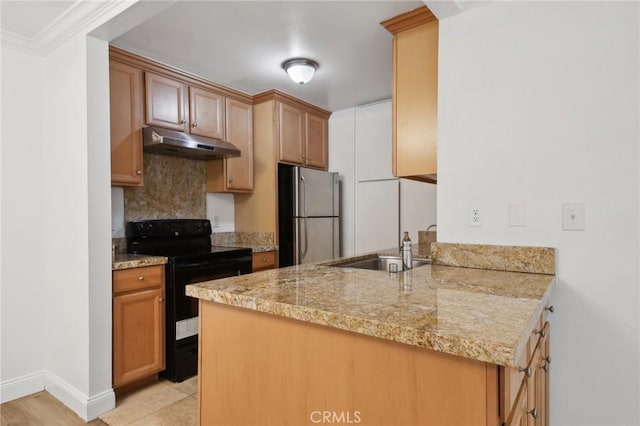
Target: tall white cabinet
{"type": "Point", "coordinates": [376, 206]}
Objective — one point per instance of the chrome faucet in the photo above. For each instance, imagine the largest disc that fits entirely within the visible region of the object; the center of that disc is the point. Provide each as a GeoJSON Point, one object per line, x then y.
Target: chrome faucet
{"type": "Point", "coordinates": [431, 226]}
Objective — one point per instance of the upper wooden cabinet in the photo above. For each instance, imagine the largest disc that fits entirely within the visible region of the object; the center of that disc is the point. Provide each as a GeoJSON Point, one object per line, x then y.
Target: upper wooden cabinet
{"type": "Point", "coordinates": [126, 109]}
{"type": "Point", "coordinates": [167, 102]}
{"type": "Point", "coordinates": [302, 136]}
{"type": "Point", "coordinates": [290, 133]}
{"type": "Point", "coordinates": [207, 113]}
{"type": "Point", "coordinates": [234, 174]}
{"type": "Point", "coordinates": [177, 106]}
{"type": "Point", "coordinates": [415, 94]}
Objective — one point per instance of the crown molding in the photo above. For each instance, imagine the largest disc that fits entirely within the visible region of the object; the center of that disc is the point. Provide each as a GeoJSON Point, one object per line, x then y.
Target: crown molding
{"type": "Point", "coordinates": [77, 17]}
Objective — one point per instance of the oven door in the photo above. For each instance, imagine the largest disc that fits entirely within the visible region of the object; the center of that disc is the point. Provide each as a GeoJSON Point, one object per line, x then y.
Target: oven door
{"type": "Point", "coordinates": [182, 310]}
{"type": "Point", "coordinates": [184, 273]}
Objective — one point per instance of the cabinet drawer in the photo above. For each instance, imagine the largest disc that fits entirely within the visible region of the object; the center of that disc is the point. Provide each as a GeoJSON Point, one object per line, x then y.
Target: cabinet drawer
{"type": "Point", "coordinates": [265, 260]}
{"type": "Point", "coordinates": [138, 278]}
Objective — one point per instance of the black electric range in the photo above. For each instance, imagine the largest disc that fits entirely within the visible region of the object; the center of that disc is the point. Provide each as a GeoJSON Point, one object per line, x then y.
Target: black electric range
{"type": "Point", "coordinates": [192, 258]}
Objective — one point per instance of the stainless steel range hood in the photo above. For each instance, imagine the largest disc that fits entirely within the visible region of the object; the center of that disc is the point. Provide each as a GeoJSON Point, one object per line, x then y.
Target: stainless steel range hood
{"type": "Point", "coordinates": [178, 144]}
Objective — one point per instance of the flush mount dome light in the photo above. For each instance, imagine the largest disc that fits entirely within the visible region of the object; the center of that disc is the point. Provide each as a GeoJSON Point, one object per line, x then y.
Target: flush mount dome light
{"type": "Point", "coordinates": [301, 70]}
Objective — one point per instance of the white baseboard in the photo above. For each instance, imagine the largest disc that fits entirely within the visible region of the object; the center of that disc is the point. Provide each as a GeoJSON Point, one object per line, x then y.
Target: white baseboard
{"type": "Point", "coordinates": [22, 386]}
{"type": "Point", "coordinates": [85, 407]}
{"type": "Point", "coordinates": [88, 408]}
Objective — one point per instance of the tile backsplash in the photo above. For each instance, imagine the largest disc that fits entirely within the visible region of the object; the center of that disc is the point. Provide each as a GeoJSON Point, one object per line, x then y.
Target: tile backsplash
{"type": "Point", "coordinates": [173, 188]}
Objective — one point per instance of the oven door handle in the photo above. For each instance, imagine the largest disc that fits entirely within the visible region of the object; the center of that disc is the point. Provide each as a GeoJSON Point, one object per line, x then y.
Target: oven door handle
{"type": "Point", "coordinates": [234, 264]}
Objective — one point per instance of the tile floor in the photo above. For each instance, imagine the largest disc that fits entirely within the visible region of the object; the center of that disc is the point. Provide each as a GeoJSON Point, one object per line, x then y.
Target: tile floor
{"type": "Point", "coordinates": [159, 404]}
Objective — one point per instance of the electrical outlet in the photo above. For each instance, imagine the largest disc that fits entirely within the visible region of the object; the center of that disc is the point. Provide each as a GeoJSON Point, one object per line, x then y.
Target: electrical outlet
{"type": "Point", "coordinates": [475, 215]}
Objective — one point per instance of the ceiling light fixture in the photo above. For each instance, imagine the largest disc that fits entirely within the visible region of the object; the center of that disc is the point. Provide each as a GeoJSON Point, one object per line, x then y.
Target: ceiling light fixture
{"type": "Point", "coordinates": [301, 70]}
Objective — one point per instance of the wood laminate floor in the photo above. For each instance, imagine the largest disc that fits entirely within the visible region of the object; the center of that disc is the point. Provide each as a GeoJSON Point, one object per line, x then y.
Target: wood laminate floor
{"type": "Point", "coordinates": [40, 409]}
{"type": "Point", "coordinates": [162, 403]}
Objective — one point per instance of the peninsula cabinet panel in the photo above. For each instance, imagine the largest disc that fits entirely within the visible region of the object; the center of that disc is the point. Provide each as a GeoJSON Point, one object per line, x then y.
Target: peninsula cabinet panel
{"type": "Point", "coordinates": [138, 324]}
{"type": "Point", "coordinates": [374, 380]}
{"type": "Point", "coordinates": [317, 141]}
{"type": "Point", "coordinates": [166, 102]}
{"type": "Point", "coordinates": [234, 174]}
{"type": "Point", "coordinates": [206, 113]}
{"type": "Point", "coordinates": [291, 134]}
{"type": "Point", "coordinates": [126, 116]}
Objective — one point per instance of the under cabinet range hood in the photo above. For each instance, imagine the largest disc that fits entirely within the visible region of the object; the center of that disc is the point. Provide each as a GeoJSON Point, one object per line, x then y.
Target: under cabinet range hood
{"type": "Point", "coordinates": [179, 144]}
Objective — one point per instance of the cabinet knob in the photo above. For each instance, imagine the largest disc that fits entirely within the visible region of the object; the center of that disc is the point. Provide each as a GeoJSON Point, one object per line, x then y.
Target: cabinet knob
{"type": "Point", "coordinates": [534, 413]}
{"type": "Point", "coordinates": [140, 278]}
{"type": "Point", "coordinates": [183, 121]}
{"type": "Point", "coordinates": [264, 259]}
{"type": "Point", "coordinates": [138, 172]}
{"type": "Point", "coordinates": [302, 155]}
{"type": "Point", "coordinates": [526, 370]}
{"type": "Point", "coordinates": [548, 359]}
{"type": "Point", "coordinates": [549, 308]}
{"type": "Point", "coordinates": [542, 332]}
{"type": "Point", "coordinates": [545, 367]}
{"type": "Point", "coordinates": [161, 299]}
{"type": "Point", "coordinates": [194, 124]}
{"type": "Point", "coordinates": [230, 180]}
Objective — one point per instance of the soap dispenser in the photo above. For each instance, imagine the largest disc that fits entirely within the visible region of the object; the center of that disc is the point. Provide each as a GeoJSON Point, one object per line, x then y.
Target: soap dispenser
{"type": "Point", "coordinates": [407, 258]}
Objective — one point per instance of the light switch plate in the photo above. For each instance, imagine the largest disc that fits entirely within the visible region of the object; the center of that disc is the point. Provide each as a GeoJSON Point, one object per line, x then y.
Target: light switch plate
{"type": "Point", "coordinates": [573, 217]}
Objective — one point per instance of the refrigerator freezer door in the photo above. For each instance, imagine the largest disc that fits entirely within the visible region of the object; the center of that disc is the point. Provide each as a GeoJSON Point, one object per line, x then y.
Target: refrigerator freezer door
{"type": "Point", "coordinates": [316, 193]}
{"type": "Point", "coordinates": [319, 239]}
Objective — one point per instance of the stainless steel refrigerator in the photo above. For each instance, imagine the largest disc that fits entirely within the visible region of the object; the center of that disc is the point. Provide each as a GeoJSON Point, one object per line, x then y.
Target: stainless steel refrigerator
{"type": "Point", "coordinates": [308, 215]}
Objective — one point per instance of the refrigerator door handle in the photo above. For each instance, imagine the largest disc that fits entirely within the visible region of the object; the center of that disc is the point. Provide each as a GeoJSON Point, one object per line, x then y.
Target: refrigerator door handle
{"type": "Point", "coordinates": [304, 204]}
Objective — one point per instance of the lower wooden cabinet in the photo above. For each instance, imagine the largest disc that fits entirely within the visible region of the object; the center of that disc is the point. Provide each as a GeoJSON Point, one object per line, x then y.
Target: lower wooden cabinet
{"type": "Point", "coordinates": [531, 406]}
{"type": "Point", "coordinates": [263, 261]}
{"type": "Point", "coordinates": [138, 324]}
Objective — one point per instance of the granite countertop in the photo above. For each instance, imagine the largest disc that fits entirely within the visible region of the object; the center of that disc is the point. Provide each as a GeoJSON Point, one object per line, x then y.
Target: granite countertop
{"type": "Point", "coordinates": [485, 315]}
{"type": "Point", "coordinates": [127, 261]}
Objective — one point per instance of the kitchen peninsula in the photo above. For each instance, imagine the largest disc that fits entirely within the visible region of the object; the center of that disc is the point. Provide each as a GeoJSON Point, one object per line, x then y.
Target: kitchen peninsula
{"type": "Point", "coordinates": [455, 342]}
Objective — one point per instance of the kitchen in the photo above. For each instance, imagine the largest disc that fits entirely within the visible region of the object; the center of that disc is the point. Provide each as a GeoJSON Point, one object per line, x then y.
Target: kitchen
{"type": "Point", "coordinates": [467, 171]}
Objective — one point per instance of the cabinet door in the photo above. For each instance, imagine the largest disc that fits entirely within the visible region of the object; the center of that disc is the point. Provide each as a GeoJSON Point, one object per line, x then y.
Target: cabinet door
{"type": "Point", "coordinates": [290, 134]}
{"type": "Point", "coordinates": [519, 415]}
{"type": "Point", "coordinates": [239, 170]}
{"type": "Point", "coordinates": [316, 141]}
{"type": "Point", "coordinates": [125, 91]}
{"type": "Point", "coordinates": [138, 335]}
{"type": "Point", "coordinates": [166, 102]}
{"type": "Point", "coordinates": [206, 113]}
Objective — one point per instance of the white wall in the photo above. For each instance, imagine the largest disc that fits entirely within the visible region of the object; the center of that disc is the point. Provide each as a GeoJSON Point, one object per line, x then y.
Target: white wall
{"type": "Point", "coordinates": [539, 103]}
{"type": "Point", "coordinates": [221, 212]}
{"type": "Point", "coordinates": [22, 274]}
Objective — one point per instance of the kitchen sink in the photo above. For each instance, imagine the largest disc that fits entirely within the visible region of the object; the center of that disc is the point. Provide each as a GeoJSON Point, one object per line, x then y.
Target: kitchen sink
{"type": "Point", "coordinates": [379, 263]}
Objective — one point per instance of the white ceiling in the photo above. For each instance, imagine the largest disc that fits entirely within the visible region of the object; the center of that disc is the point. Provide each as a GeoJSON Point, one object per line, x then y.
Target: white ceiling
{"type": "Point", "coordinates": [241, 44]}
{"type": "Point", "coordinates": [27, 19]}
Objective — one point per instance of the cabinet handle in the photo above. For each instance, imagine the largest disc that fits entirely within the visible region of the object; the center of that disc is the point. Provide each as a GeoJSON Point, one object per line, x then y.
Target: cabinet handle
{"type": "Point", "coordinates": [194, 124]}
{"type": "Point", "coordinates": [138, 172]}
{"type": "Point", "coordinates": [526, 370]}
{"type": "Point", "coordinates": [534, 413]}
{"type": "Point", "coordinates": [549, 308]}
{"type": "Point", "coordinates": [140, 278]}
